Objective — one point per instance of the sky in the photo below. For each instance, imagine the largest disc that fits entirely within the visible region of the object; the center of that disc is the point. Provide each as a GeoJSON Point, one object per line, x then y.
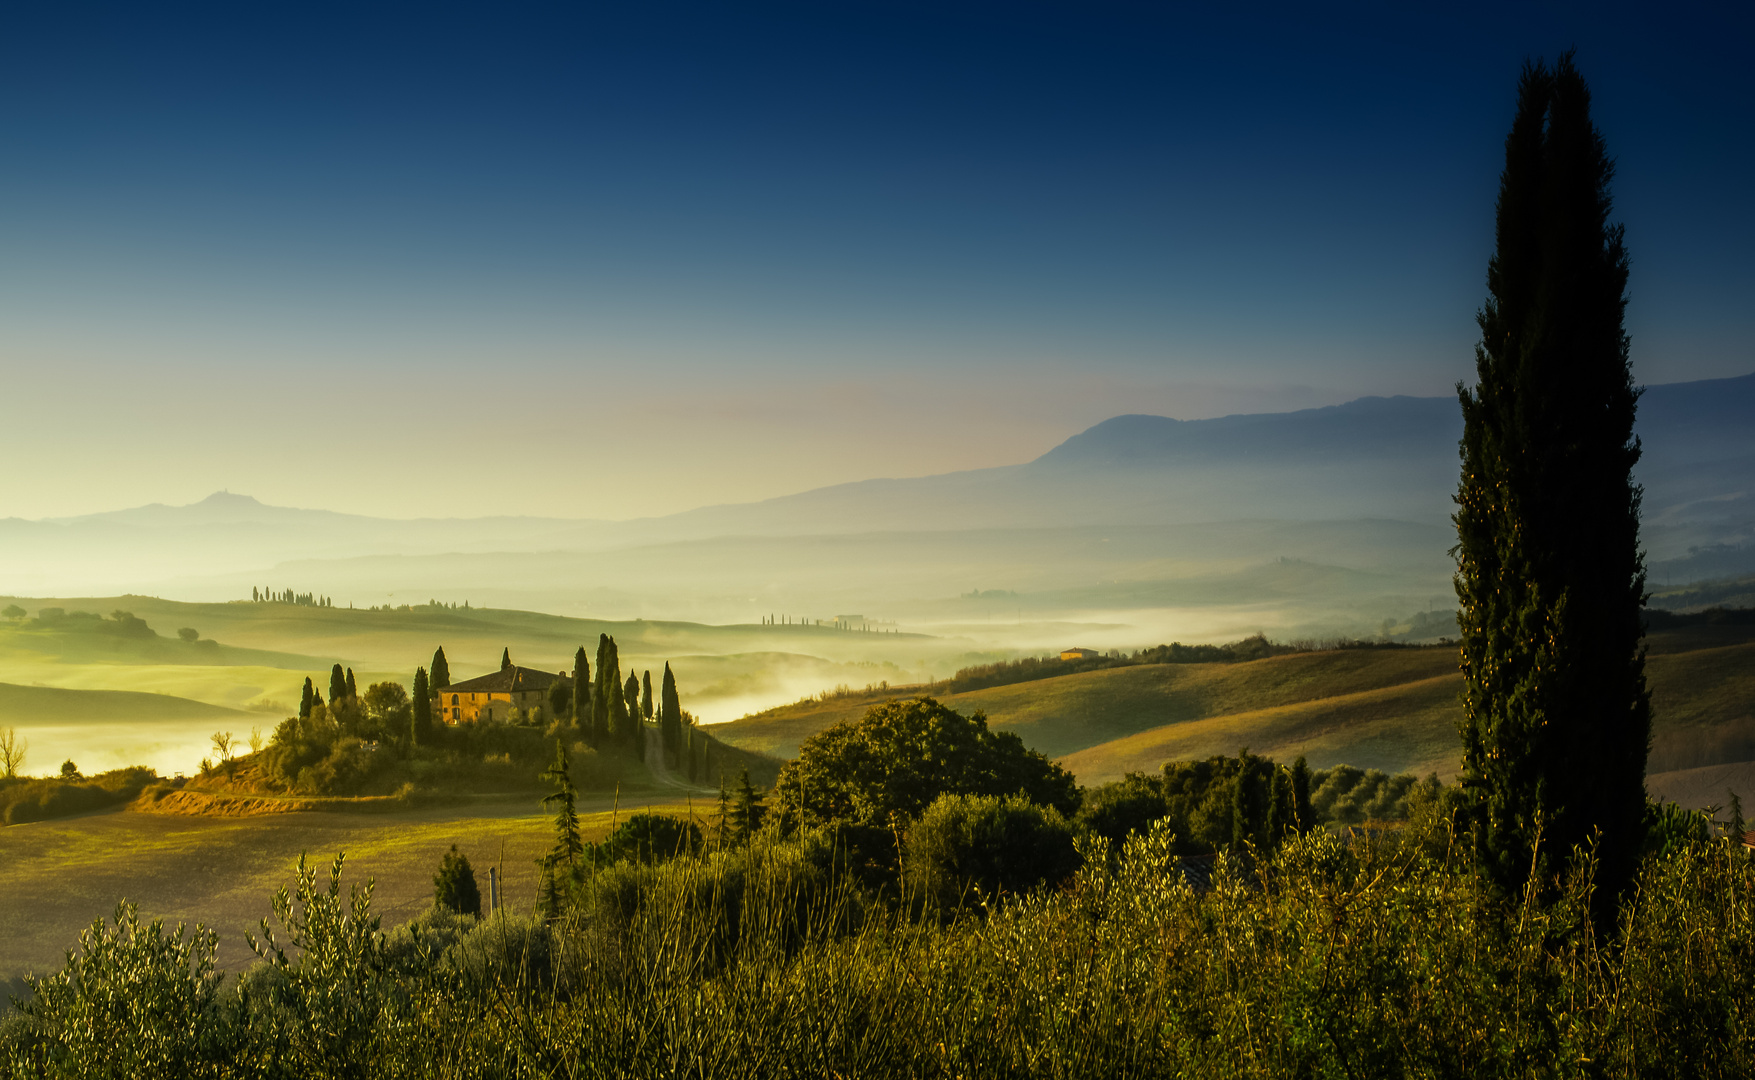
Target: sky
{"type": "Point", "coordinates": [621, 260]}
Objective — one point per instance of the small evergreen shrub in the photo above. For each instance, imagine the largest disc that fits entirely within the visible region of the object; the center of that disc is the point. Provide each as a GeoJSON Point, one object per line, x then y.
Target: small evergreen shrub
{"type": "Point", "coordinates": [968, 848]}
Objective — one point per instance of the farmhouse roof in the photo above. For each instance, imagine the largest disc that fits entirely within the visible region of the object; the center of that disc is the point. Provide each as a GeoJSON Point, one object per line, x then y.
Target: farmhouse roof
{"type": "Point", "coordinates": [507, 680]}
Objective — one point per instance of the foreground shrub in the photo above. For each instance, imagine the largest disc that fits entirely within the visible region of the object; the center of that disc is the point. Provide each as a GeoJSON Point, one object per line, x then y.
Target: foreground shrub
{"type": "Point", "coordinates": [134, 1001]}
{"type": "Point", "coordinates": [23, 800]}
{"type": "Point", "coordinates": [970, 848]}
{"type": "Point", "coordinates": [1371, 955]}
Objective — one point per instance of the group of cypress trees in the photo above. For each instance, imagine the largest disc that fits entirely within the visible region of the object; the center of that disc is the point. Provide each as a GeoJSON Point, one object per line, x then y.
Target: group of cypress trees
{"type": "Point", "coordinates": [1550, 578]}
{"type": "Point", "coordinates": [287, 596]}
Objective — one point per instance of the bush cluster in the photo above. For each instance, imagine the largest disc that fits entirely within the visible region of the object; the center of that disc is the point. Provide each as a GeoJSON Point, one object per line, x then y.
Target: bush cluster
{"type": "Point", "coordinates": [25, 799]}
{"type": "Point", "coordinates": [1368, 955]}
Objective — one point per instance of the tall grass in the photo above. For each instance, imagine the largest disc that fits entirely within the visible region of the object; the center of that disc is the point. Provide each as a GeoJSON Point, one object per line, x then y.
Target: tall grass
{"type": "Point", "coordinates": [1382, 956]}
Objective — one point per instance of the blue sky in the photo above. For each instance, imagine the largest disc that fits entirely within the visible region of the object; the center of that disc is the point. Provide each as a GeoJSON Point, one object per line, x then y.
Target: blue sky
{"type": "Point", "coordinates": [625, 260]}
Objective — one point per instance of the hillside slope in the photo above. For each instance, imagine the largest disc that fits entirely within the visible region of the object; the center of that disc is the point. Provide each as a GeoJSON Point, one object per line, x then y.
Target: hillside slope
{"type": "Point", "coordinates": [1395, 710]}
{"type": "Point", "coordinates": [40, 705]}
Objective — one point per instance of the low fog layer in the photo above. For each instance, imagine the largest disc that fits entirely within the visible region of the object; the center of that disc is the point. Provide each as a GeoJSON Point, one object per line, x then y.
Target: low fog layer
{"type": "Point", "coordinates": [1322, 522]}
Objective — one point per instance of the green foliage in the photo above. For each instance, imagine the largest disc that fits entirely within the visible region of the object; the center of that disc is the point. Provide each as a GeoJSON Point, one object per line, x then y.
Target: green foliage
{"type": "Point", "coordinates": [421, 718]}
{"type": "Point", "coordinates": [1032, 668]}
{"type": "Point", "coordinates": [441, 670]}
{"type": "Point", "coordinates": [324, 996]}
{"type": "Point", "coordinates": [189, 633]}
{"type": "Point", "coordinates": [582, 713]}
{"type": "Point", "coordinates": [1379, 955]}
{"type": "Point", "coordinates": [647, 838]}
{"type": "Point", "coordinates": [1348, 796]}
{"type": "Point", "coordinates": [560, 700]}
{"type": "Point", "coordinates": [564, 856]}
{"type": "Point", "coordinates": [670, 724]}
{"type": "Point", "coordinates": [454, 886]}
{"type": "Point", "coordinates": [748, 810]}
{"type": "Point", "coordinates": [631, 700]}
{"type": "Point", "coordinates": [646, 710]}
{"type": "Point", "coordinates": [968, 849]}
{"type": "Point", "coordinates": [134, 1001]}
{"type": "Point", "coordinates": [387, 708]}
{"type": "Point", "coordinates": [1669, 829]}
{"type": "Point", "coordinates": [1550, 580]}
{"type": "Point", "coordinates": [23, 800]}
{"type": "Point", "coordinates": [905, 754]}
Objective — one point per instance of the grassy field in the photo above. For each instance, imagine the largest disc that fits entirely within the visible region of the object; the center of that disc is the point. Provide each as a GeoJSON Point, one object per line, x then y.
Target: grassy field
{"type": "Point", "coordinates": [60, 875]}
{"type": "Point", "coordinates": [1394, 710]}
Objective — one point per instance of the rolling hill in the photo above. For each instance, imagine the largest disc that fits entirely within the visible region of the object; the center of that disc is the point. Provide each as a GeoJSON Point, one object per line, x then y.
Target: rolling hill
{"type": "Point", "coordinates": [53, 705]}
{"type": "Point", "coordinates": [1390, 709]}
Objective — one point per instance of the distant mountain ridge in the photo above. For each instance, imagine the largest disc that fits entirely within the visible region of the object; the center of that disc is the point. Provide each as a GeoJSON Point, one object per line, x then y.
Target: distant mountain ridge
{"type": "Point", "coordinates": [1371, 459]}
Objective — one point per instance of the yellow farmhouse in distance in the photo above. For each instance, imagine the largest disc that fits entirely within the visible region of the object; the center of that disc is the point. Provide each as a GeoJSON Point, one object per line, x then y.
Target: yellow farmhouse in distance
{"type": "Point", "coordinates": [1078, 654]}
{"type": "Point", "coordinates": [490, 698]}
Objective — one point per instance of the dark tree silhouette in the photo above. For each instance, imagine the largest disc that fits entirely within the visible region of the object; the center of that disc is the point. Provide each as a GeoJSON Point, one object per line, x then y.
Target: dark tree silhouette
{"type": "Point", "coordinates": [1550, 579]}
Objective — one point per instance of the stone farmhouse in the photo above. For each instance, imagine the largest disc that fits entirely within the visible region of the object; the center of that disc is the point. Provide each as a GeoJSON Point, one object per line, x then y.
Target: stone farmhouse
{"type": "Point", "coordinates": [491, 698]}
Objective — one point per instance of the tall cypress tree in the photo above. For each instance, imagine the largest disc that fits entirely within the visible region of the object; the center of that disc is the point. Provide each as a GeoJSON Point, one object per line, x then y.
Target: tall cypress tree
{"type": "Point", "coordinates": [600, 699]}
{"type": "Point", "coordinates": [441, 673]}
{"type": "Point", "coordinates": [670, 717]}
{"type": "Point", "coordinates": [337, 685]}
{"type": "Point", "coordinates": [646, 694]}
{"type": "Point", "coordinates": [505, 658]}
{"type": "Point", "coordinates": [420, 727]}
{"type": "Point", "coordinates": [1550, 580]}
{"type": "Point", "coordinates": [582, 692]}
{"type": "Point", "coordinates": [305, 700]}
{"type": "Point", "coordinates": [622, 730]}
{"type": "Point", "coordinates": [352, 687]}
{"type": "Point", "coordinates": [631, 694]}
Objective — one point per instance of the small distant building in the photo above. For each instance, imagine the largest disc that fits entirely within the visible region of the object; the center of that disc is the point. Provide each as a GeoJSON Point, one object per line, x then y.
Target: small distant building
{"type": "Point", "coordinates": [1078, 654]}
{"type": "Point", "coordinates": [491, 698]}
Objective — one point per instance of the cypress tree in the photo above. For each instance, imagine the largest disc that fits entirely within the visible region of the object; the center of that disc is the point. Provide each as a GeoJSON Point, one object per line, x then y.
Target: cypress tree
{"type": "Point", "coordinates": [1282, 806]}
{"type": "Point", "coordinates": [670, 719]}
{"type": "Point", "coordinates": [441, 673]}
{"type": "Point", "coordinates": [619, 722]}
{"type": "Point", "coordinates": [1249, 800]}
{"type": "Point", "coordinates": [454, 886]}
{"type": "Point", "coordinates": [420, 728]}
{"type": "Point", "coordinates": [305, 700]}
{"type": "Point", "coordinates": [631, 694]}
{"type": "Point", "coordinates": [1302, 810]}
{"type": "Point", "coordinates": [505, 658]}
{"type": "Point", "coordinates": [600, 699]}
{"type": "Point", "coordinates": [646, 694]}
{"type": "Point", "coordinates": [337, 685]}
{"type": "Point", "coordinates": [1550, 580]}
{"type": "Point", "coordinates": [582, 693]}
{"type": "Point", "coordinates": [352, 691]}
